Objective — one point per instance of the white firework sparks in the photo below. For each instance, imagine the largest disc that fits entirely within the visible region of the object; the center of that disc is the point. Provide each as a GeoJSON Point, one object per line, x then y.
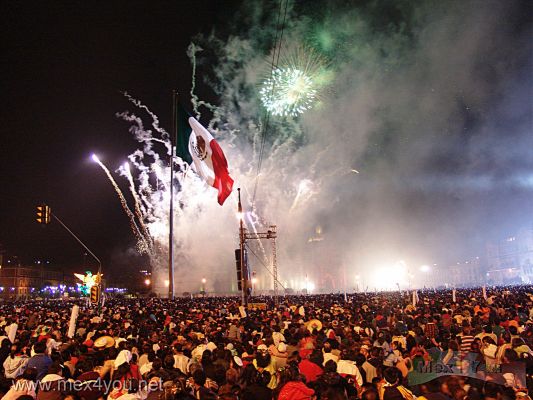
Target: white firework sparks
{"type": "Point", "coordinates": [289, 92]}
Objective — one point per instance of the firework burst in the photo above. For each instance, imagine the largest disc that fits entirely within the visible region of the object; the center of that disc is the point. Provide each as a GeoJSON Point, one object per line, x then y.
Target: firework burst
{"type": "Point", "coordinates": [288, 93]}
{"type": "Point", "coordinates": [293, 86]}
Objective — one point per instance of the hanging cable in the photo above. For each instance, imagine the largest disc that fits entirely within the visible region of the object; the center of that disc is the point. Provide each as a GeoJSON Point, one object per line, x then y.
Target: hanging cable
{"type": "Point", "coordinates": [264, 265]}
{"type": "Point", "coordinates": [273, 66]}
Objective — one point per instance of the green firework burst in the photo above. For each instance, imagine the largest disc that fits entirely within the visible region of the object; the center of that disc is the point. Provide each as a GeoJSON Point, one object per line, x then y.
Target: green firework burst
{"type": "Point", "coordinates": [289, 92]}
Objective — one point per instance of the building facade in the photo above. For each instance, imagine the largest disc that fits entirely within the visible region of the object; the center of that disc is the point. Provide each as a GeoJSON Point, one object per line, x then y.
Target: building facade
{"type": "Point", "coordinates": [465, 274]}
{"type": "Point", "coordinates": [20, 281]}
{"type": "Point", "coordinates": [510, 261]}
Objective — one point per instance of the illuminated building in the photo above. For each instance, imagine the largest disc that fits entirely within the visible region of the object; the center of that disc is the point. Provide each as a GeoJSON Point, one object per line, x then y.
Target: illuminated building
{"type": "Point", "coordinates": [510, 261]}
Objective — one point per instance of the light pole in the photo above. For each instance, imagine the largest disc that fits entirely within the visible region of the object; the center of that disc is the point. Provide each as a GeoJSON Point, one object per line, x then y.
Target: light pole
{"type": "Point", "coordinates": [244, 281]}
{"type": "Point", "coordinates": [98, 279]}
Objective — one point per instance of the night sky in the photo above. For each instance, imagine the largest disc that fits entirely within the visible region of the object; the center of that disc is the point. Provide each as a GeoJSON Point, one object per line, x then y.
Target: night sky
{"type": "Point", "coordinates": [431, 102]}
{"type": "Point", "coordinates": [64, 66]}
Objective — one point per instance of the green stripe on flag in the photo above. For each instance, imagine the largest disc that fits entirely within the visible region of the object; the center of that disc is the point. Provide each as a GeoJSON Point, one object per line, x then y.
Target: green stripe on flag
{"type": "Point", "coordinates": [183, 130]}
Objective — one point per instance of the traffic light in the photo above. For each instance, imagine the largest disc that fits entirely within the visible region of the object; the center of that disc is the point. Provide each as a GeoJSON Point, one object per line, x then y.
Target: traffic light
{"type": "Point", "coordinates": [43, 214]}
{"type": "Point", "coordinates": [95, 294]}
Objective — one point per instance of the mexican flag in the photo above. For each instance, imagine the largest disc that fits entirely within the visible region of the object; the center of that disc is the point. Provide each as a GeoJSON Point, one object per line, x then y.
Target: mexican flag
{"type": "Point", "coordinates": [207, 157]}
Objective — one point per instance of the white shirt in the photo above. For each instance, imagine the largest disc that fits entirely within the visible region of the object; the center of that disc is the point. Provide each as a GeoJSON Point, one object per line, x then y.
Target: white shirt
{"type": "Point", "coordinates": [347, 367]}
{"type": "Point", "coordinates": [277, 337]}
{"type": "Point", "coordinates": [181, 361]}
{"type": "Point", "coordinates": [15, 366]}
{"type": "Point", "coordinates": [146, 367]}
{"type": "Point", "coordinates": [329, 356]}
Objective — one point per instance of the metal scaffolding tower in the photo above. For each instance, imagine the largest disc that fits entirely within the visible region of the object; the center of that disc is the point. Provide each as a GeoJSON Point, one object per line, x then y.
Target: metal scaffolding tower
{"type": "Point", "coordinates": [244, 235]}
{"type": "Point", "coordinates": [274, 262]}
{"type": "Point", "coordinates": [271, 234]}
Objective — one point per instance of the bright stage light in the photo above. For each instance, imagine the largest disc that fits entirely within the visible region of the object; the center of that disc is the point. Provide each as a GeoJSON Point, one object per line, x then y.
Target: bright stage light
{"type": "Point", "coordinates": [389, 277]}
{"type": "Point", "coordinates": [95, 158]}
{"type": "Point", "coordinates": [167, 282]}
{"type": "Point", "coordinates": [147, 282]}
{"type": "Point", "coordinates": [424, 268]}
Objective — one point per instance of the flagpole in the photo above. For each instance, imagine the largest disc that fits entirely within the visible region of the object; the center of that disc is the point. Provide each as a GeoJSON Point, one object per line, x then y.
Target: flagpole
{"type": "Point", "coordinates": [241, 246]}
{"type": "Point", "coordinates": [171, 211]}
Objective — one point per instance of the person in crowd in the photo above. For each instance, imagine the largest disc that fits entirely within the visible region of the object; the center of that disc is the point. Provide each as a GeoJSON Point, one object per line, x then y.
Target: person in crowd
{"type": "Point", "coordinates": [24, 385]}
{"type": "Point", "coordinates": [91, 385]}
{"type": "Point", "coordinates": [40, 361]}
{"type": "Point", "coordinates": [311, 367]}
{"type": "Point", "coordinates": [15, 363]}
{"type": "Point", "coordinates": [256, 386]}
{"type": "Point", "coordinates": [53, 386]}
{"type": "Point", "coordinates": [200, 391]}
{"type": "Point", "coordinates": [392, 389]}
{"type": "Point", "coordinates": [292, 386]}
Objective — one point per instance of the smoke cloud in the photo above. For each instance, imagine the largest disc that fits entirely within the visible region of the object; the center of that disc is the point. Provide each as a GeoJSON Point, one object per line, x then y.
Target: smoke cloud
{"type": "Point", "coordinates": [429, 103]}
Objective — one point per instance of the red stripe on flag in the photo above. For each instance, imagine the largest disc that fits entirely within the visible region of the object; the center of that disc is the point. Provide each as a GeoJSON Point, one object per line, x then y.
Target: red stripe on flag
{"type": "Point", "coordinates": [223, 182]}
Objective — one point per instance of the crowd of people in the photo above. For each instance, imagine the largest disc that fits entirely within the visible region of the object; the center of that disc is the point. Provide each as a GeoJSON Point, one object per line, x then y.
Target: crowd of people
{"type": "Point", "coordinates": [473, 344]}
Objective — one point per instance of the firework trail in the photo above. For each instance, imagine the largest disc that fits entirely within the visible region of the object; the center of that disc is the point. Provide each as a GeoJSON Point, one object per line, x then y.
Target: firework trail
{"type": "Point", "coordinates": [305, 192]}
{"type": "Point", "coordinates": [142, 246]}
{"type": "Point", "coordinates": [143, 179]}
{"type": "Point", "coordinates": [144, 136]}
{"type": "Point", "coordinates": [253, 220]}
{"type": "Point", "coordinates": [165, 138]}
{"type": "Point", "coordinates": [195, 101]}
{"type": "Point", "coordinates": [137, 206]}
{"type": "Point", "coordinates": [250, 216]}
